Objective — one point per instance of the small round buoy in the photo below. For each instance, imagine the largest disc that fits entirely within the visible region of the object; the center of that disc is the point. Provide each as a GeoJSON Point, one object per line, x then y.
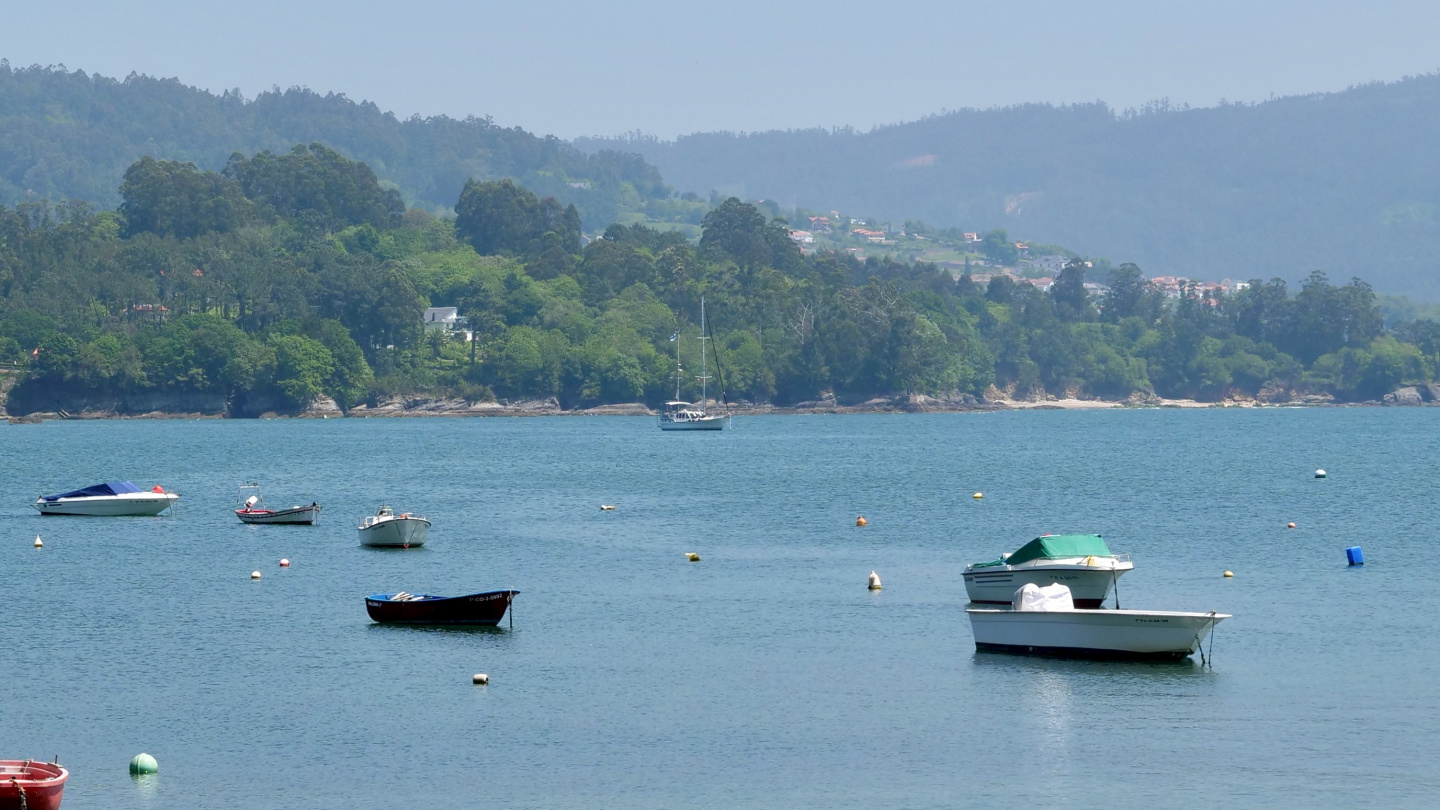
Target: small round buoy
{"type": "Point", "coordinates": [254, 574]}
{"type": "Point", "coordinates": [606, 507]}
{"type": "Point", "coordinates": [861, 521]}
{"type": "Point", "coordinates": [1319, 473]}
{"type": "Point", "coordinates": [480, 679]}
{"type": "Point", "coordinates": [874, 581]}
{"type": "Point", "coordinates": [38, 544]}
{"type": "Point", "coordinates": [144, 763]}
{"type": "Point", "coordinates": [1290, 525]}
{"type": "Point", "coordinates": [692, 556]}
{"type": "Point", "coordinates": [977, 496]}
{"type": "Point", "coordinates": [1229, 574]}
{"type": "Point", "coordinates": [284, 563]}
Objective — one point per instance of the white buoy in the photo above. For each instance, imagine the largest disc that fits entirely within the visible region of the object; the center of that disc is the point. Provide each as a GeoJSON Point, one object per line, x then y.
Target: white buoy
{"type": "Point", "coordinates": [285, 563]}
{"type": "Point", "coordinates": [1319, 473]}
{"type": "Point", "coordinates": [874, 581]}
{"type": "Point", "coordinates": [606, 507]}
{"type": "Point", "coordinates": [977, 496]}
{"type": "Point", "coordinates": [480, 679]}
{"type": "Point", "coordinates": [692, 556]}
{"type": "Point", "coordinates": [254, 574]}
{"type": "Point", "coordinates": [38, 544]}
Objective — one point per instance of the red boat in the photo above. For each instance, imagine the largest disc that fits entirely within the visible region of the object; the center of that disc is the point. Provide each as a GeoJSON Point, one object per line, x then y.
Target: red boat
{"type": "Point", "coordinates": [31, 785]}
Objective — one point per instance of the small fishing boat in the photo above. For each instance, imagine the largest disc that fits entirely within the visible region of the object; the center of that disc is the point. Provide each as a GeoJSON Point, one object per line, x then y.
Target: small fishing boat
{"type": "Point", "coordinates": [1081, 562]}
{"type": "Point", "coordinates": [405, 608]}
{"type": "Point", "coordinates": [385, 529]}
{"type": "Point", "coordinates": [110, 499]}
{"type": "Point", "coordinates": [252, 510]}
{"type": "Point", "coordinates": [1046, 624]}
{"type": "Point", "coordinates": [25, 783]}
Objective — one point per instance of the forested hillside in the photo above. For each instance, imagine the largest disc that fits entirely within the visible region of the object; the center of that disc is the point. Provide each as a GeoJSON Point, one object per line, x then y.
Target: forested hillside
{"type": "Point", "coordinates": [1347, 183]}
{"type": "Point", "coordinates": [69, 135]}
{"type": "Point", "coordinates": [294, 275]}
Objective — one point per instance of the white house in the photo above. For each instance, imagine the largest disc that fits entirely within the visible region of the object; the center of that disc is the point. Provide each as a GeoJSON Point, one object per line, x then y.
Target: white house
{"type": "Point", "coordinates": [444, 318]}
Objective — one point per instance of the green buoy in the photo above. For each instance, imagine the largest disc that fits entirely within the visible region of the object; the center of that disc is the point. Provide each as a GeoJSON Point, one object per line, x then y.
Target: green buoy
{"type": "Point", "coordinates": [143, 763]}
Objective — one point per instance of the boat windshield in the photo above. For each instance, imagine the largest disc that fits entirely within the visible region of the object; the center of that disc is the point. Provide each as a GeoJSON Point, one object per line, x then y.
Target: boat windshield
{"type": "Point", "coordinates": [97, 490]}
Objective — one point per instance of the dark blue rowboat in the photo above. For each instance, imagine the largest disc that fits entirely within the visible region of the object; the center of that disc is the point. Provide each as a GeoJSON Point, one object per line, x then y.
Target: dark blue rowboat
{"type": "Point", "coordinates": [419, 608]}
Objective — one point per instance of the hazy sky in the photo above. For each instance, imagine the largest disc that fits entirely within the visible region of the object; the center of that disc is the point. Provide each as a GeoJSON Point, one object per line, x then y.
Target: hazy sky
{"type": "Point", "coordinates": [666, 68]}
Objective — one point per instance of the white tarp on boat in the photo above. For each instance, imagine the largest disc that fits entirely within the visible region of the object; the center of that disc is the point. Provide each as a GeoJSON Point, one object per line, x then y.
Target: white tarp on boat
{"type": "Point", "coordinates": [1049, 599]}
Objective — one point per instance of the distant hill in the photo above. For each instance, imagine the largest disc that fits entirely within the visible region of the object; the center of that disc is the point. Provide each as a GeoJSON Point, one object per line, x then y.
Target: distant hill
{"type": "Point", "coordinates": [69, 135]}
{"type": "Point", "coordinates": [1347, 183]}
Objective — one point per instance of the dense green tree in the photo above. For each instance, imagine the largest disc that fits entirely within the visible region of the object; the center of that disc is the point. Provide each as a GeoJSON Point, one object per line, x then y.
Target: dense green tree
{"type": "Point", "coordinates": [167, 198]}
{"type": "Point", "coordinates": [504, 218]}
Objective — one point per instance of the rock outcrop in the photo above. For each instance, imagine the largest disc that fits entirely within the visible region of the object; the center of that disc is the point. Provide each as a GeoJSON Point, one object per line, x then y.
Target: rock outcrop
{"type": "Point", "coordinates": [1408, 396]}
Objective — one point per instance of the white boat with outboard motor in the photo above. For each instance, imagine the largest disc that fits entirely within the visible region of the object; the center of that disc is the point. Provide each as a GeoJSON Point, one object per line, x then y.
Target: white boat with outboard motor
{"type": "Point", "coordinates": [1044, 621]}
{"type": "Point", "coordinates": [110, 499]}
{"type": "Point", "coordinates": [385, 529]}
{"type": "Point", "coordinates": [1081, 562]}
{"type": "Point", "coordinates": [253, 510]}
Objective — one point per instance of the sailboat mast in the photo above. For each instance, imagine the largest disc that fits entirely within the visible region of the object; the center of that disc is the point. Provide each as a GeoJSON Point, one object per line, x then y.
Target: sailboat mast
{"type": "Point", "coordinates": [703, 378]}
{"type": "Point", "coordinates": [677, 365]}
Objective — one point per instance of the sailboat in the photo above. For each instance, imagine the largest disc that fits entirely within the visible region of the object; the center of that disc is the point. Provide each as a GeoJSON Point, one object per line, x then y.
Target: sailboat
{"type": "Point", "coordinates": [681, 415]}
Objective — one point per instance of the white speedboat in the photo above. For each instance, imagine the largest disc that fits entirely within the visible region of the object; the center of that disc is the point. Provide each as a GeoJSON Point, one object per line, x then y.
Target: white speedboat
{"type": "Point", "coordinates": [253, 510]}
{"type": "Point", "coordinates": [1080, 562]}
{"type": "Point", "coordinates": [1048, 626]}
{"type": "Point", "coordinates": [681, 415]}
{"type": "Point", "coordinates": [110, 499]}
{"type": "Point", "coordinates": [385, 529]}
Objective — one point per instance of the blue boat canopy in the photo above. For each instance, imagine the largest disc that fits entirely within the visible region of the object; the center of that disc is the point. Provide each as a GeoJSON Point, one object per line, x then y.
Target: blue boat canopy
{"type": "Point", "coordinates": [107, 488]}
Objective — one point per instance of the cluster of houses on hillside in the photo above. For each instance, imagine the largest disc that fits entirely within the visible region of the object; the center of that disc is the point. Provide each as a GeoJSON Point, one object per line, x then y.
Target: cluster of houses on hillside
{"type": "Point", "coordinates": [1170, 286]}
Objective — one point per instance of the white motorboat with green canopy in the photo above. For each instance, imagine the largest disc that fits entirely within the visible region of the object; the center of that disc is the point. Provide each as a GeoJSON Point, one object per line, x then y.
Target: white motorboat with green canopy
{"type": "Point", "coordinates": [1081, 562]}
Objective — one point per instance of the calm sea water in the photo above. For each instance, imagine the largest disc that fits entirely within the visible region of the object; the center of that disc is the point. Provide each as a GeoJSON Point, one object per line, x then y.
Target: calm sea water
{"type": "Point", "coordinates": [765, 675]}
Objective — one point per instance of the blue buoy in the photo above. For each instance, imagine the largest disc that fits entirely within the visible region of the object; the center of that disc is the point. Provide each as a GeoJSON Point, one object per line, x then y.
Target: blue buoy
{"type": "Point", "coordinates": [1354, 556]}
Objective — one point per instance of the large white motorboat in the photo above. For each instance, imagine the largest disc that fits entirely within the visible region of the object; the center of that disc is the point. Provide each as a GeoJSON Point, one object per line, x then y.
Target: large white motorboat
{"type": "Point", "coordinates": [1081, 562]}
{"type": "Point", "coordinates": [110, 499]}
{"type": "Point", "coordinates": [681, 415]}
{"type": "Point", "coordinates": [385, 529]}
{"type": "Point", "coordinates": [253, 510]}
{"type": "Point", "coordinates": [1043, 621]}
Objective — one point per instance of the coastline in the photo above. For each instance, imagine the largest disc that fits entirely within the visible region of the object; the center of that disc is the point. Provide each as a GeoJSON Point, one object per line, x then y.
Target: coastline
{"type": "Point", "coordinates": [433, 407]}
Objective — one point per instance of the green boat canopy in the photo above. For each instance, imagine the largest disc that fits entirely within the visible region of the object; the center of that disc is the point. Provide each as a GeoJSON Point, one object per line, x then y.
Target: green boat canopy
{"type": "Point", "coordinates": [1060, 545]}
{"type": "Point", "coordinates": [1055, 545]}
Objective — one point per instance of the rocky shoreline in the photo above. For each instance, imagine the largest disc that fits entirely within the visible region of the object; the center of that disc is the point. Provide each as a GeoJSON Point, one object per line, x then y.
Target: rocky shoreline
{"type": "Point", "coordinates": [421, 407]}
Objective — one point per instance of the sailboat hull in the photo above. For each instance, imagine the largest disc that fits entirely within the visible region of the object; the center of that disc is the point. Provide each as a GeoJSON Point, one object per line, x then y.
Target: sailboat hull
{"type": "Point", "coordinates": [703, 423]}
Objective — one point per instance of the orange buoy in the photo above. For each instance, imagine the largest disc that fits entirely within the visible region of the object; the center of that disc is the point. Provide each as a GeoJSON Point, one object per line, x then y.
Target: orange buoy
{"type": "Point", "coordinates": [861, 521]}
